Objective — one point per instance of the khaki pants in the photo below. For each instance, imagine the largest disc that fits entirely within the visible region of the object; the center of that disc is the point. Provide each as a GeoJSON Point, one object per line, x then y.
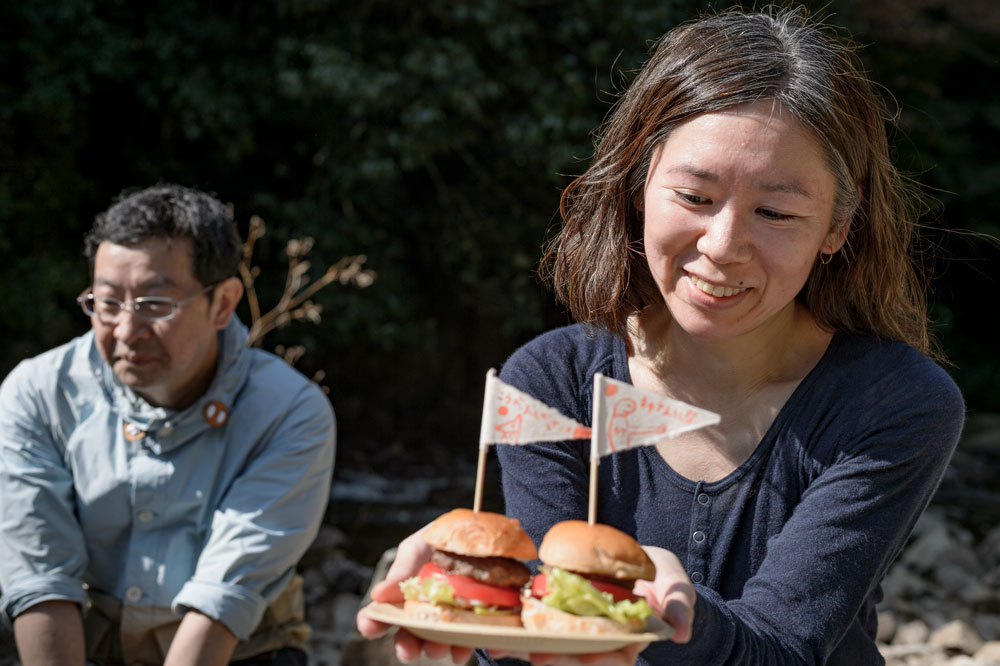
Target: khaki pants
{"type": "Point", "coordinates": [140, 635]}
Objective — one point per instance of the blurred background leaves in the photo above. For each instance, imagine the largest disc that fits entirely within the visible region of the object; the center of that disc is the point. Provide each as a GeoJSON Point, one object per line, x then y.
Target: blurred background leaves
{"type": "Point", "coordinates": [434, 139]}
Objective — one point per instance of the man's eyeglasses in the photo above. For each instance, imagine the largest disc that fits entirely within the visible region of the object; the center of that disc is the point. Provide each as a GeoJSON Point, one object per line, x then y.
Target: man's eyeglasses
{"type": "Point", "coordinates": [150, 308]}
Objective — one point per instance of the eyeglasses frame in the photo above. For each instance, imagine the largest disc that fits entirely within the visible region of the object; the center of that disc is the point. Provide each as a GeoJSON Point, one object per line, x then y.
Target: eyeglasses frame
{"type": "Point", "coordinates": [88, 298]}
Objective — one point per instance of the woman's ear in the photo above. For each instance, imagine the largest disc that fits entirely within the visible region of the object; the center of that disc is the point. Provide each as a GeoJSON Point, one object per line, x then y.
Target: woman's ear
{"type": "Point", "coordinates": [836, 238]}
{"type": "Point", "coordinates": [225, 297]}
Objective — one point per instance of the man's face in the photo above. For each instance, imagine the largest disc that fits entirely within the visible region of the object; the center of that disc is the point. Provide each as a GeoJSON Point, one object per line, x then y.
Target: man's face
{"type": "Point", "coordinates": [169, 363]}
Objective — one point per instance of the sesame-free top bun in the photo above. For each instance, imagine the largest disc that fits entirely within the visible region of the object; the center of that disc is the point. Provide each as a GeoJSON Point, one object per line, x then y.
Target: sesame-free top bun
{"type": "Point", "coordinates": [598, 550]}
{"type": "Point", "coordinates": [480, 534]}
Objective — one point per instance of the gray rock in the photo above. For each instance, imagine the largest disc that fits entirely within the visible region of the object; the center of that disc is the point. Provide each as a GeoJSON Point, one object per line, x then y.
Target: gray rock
{"type": "Point", "coordinates": [961, 660]}
{"type": "Point", "coordinates": [913, 632]}
{"type": "Point", "coordinates": [955, 577]}
{"type": "Point", "coordinates": [909, 653]}
{"type": "Point", "coordinates": [989, 548]}
{"type": "Point", "coordinates": [886, 627]}
{"type": "Point", "coordinates": [901, 583]}
{"type": "Point", "coordinates": [976, 593]}
{"type": "Point", "coordinates": [988, 626]}
{"type": "Point", "coordinates": [957, 636]}
{"type": "Point", "coordinates": [942, 545]}
{"type": "Point", "coordinates": [990, 651]}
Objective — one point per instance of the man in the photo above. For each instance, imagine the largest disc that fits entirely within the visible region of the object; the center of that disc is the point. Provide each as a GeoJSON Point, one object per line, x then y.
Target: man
{"type": "Point", "coordinates": [159, 479]}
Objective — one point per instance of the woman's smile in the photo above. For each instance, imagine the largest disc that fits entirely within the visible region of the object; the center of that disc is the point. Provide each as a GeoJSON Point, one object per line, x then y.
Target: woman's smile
{"type": "Point", "coordinates": [716, 290]}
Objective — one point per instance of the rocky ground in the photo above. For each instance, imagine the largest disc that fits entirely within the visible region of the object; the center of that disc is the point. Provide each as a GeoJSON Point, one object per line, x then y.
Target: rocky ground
{"type": "Point", "coordinates": [942, 597]}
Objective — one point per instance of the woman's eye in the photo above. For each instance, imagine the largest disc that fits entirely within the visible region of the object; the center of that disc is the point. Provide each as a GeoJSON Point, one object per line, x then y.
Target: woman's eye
{"type": "Point", "coordinates": [772, 214]}
{"type": "Point", "coordinates": [693, 198]}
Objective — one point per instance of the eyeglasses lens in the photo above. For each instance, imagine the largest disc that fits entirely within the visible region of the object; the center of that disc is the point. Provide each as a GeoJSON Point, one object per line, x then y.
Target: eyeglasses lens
{"type": "Point", "coordinates": [108, 310]}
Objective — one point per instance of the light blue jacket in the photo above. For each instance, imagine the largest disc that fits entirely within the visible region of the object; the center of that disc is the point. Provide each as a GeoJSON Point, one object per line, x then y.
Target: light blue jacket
{"type": "Point", "coordinates": [193, 514]}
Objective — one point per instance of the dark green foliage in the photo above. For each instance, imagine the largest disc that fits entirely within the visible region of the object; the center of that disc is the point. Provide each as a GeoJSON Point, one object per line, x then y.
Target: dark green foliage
{"type": "Point", "coordinates": [433, 137]}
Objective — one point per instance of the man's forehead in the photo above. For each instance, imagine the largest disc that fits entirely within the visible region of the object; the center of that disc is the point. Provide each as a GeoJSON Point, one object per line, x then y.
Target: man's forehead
{"type": "Point", "coordinates": [155, 281]}
{"type": "Point", "coordinates": [150, 262]}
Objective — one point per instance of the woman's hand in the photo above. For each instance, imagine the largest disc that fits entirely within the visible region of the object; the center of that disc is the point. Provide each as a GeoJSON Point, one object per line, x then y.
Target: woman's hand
{"type": "Point", "coordinates": [671, 594]}
{"type": "Point", "coordinates": [411, 554]}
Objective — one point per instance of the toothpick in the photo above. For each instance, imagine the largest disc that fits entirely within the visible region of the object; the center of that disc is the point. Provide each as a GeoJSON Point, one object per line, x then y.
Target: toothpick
{"type": "Point", "coordinates": [480, 472]}
{"type": "Point", "coordinates": [592, 512]}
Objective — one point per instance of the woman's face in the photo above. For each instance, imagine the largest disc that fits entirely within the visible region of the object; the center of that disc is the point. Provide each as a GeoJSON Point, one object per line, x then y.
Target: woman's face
{"type": "Point", "coordinates": [737, 206]}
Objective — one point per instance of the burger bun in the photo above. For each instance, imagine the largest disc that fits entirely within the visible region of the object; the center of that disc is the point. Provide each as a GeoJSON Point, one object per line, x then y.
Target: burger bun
{"type": "Point", "coordinates": [430, 612]}
{"type": "Point", "coordinates": [595, 550]}
{"type": "Point", "coordinates": [480, 534]}
{"type": "Point", "coordinates": [537, 616]}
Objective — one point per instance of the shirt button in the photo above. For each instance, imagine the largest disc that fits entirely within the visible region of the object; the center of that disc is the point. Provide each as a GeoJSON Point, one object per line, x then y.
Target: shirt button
{"type": "Point", "coordinates": [166, 430]}
{"type": "Point", "coordinates": [697, 577]}
{"type": "Point", "coordinates": [146, 515]}
{"type": "Point", "coordinates": [698, 536]}
{"type": "Point", "coordinates": [133, 594]}
{"type": "Point", "coordinates": [703, 499]}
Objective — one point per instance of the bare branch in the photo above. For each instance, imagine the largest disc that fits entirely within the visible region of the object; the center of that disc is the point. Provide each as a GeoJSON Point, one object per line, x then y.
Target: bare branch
{"type": "Point", "coordinates": [294, 303]}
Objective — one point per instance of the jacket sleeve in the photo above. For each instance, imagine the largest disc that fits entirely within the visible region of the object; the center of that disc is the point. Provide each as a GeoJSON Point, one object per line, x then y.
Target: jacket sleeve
{"type": "Point", "coordinates": [42, 551]}
{"type": "Point", "coordinates": [268, 517]}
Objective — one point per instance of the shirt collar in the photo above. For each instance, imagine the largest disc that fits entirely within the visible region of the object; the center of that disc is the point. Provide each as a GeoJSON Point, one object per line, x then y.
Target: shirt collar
{"type": "Point", "coordinates": [167, 428]}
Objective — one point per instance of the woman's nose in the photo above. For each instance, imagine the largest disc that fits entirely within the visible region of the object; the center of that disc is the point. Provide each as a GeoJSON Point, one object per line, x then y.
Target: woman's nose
{"type": "Point", "coordinates": [724, 237]}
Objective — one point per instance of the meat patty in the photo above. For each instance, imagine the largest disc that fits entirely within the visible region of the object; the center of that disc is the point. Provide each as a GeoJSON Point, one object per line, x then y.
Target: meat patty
{"type": "Point", "coordinates": [499, 571]}
{"type": "Point", "coordinates": [627, 583]}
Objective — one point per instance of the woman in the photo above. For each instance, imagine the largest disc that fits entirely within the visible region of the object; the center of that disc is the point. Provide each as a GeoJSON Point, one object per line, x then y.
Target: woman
{"type": "Point", "coordinates": [741, 242]}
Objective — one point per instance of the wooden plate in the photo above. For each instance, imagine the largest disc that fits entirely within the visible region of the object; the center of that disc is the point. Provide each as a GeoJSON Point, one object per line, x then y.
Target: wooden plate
{"type": "Point", "coordinates": [513, 639]}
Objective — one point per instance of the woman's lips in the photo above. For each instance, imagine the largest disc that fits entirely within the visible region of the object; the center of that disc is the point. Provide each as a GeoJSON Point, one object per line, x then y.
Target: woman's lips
{"type": "Point", "coordinates": [717, 290]}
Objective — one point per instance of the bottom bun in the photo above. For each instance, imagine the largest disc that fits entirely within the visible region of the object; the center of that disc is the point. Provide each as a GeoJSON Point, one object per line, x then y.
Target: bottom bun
{"type": "Point", "coordinates": [538, 616]}
{"type": "Point", "coordinates": [423, 610]}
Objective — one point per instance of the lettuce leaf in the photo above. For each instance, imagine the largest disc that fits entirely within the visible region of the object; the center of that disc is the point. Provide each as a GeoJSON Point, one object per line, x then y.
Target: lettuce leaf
{"type": "Point", "coordinates": [574, 594]}
{"type": "Point", "coordinates": [493, 610]}
{"type": "Point", "coordinates": [428, 589]}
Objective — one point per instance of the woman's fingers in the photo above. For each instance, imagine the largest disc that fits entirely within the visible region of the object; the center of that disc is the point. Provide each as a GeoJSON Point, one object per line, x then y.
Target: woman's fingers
{"type": "Point", "coordinates": [408, 646]}
{"type": "Point", "coordinates": [671, 594]}
{"type": "Point", "coordinates": [678, 611]}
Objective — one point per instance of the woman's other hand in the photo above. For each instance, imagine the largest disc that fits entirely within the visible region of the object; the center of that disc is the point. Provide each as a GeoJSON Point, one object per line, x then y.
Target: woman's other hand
{"type": "Point", "coordinates": [671, 594]}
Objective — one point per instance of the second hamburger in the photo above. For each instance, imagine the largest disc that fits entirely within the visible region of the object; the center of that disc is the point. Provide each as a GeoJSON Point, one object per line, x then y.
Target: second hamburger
{"type": "Point", "coordinates": [585, 582]}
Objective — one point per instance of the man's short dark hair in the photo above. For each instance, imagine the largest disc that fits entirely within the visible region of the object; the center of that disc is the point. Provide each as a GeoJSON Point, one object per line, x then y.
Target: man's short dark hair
{"type": "Point", "coordinates": [172, 211]}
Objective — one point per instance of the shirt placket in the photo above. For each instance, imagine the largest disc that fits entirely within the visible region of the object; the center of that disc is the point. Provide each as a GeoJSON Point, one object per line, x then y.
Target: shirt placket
{"type": "Point", "coordinates": [699, 539]}
{"type": "Point", "coordinates": [140, 584]}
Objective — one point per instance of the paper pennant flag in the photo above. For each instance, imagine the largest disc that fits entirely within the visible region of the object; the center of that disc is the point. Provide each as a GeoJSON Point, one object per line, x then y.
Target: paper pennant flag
{"type": "Point", "coordinates": [626, 417]}
{"type": "Point", "coordinates": [511, 416]}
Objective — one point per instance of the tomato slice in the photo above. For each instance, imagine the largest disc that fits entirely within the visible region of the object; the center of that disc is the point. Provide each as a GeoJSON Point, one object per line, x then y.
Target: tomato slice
{"type": "Point", "coordinates": [539, 588]}
{"type": "Point", "coordinates": [472, 589]}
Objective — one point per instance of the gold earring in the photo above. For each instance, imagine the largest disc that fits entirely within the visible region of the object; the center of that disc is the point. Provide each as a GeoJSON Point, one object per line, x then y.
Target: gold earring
{"type": "Point", "coordinates": [827, 257]}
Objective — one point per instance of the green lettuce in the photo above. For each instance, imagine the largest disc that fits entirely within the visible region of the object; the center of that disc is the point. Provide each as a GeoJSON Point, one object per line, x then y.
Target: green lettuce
{"type": "Point", "coordinates": [574, 594]}
{"type": "Point", "coordinates": [491, 610]}
{"type": "Point", "coordinates": [429, 589]}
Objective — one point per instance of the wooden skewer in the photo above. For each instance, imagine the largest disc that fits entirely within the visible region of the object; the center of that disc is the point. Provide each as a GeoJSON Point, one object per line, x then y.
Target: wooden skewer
{"type": "Point", "coordinates": [480, 473]}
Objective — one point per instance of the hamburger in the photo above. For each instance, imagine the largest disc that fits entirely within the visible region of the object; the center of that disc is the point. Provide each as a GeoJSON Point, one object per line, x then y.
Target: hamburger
{"type": "Point", "coordinates": [585, 581]}
{"type": "Point", "coordinates": [476, 570]}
